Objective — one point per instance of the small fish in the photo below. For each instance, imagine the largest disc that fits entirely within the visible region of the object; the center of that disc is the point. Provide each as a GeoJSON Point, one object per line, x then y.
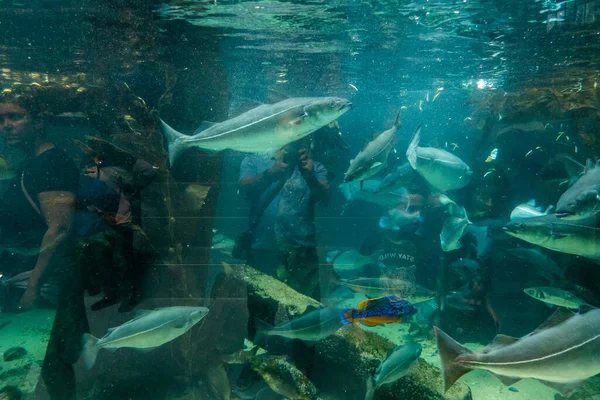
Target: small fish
{"type": "Point", "coordinates": [373, 158]}
{"type": "Point", "coordinates": [353, 87]}
{"type": "Point", "coordinates": [397, 364]}
{"type": "Point", "coordinates": [492, 156]}
{"type": "Point", "coordinates": [489, 171]}
{"type": "Point", "coordinates": [560, 134]}
{"type": "Point", "coordinates": [382, 310]}
{"type": "Point", "coordinates": [314, 325]}
{"type": "Point", "coordinates": [437, 94]}
{"type": "Point", "coordinates": [529, 210]}
{"type": "Point", "coordinates": [377, 287]}
{"type": "Point", "coordinates": [403, 108]}
{"type": "Point", "coordinates": [420, 105]}
{"type": "Point", "coordinates": [146, 331]}
{"type": "Point", "coordinates": [556, 296]}
{"type": "Point", "coordinates": [454, 226]}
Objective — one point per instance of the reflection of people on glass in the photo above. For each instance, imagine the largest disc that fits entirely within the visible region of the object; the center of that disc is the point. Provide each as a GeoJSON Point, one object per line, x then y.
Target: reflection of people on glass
{"type": "Point", "coordinates": [39, 206]}
{"type": "Point", "coordinates": [285, 189]}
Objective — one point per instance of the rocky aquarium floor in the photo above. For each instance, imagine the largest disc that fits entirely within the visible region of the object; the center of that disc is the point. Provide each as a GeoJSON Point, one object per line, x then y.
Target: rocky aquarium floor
{"type": "Point", "coordinates": [23, 341]}
{"type": "Point", "coordinates": [484, 386]}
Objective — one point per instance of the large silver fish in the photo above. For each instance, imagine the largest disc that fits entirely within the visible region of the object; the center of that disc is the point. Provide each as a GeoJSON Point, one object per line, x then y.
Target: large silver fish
{"type": "Point", "coordinates": [373, 158]}
{"type": "Point", "coordinates": [561, 353]}
{"type": "Point", "coordinates": [148, 330]}
{"type": "Point", "coordinates": [556, 296]}
{"type": "Point", "coordinates": [441, 169]}
{"type": "Point", "coordinates": [580, 237]}
{"type": "Point", "coordinates": [397, 364]}
{"type": "Point", "coordinates": [582, 199]}
{"type": "Point", "coordinates": [265, 128]}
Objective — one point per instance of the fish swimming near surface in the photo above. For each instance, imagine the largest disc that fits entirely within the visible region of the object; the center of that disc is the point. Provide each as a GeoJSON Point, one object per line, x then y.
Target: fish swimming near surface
{"type": "Point", "coordinates": [561, 353]}
{"type": "Point", "coordinates": [529, 210]}
{"type": "Point", "coordinates": [579, 237]}
{"type": "Point", "coordinates": [146, 331]}
{"type": "Point", "coordinates": [582, 199]}
{"type": "Point", "coordinates": [373, 158]}
{"type": "Point", "coordinates": [314, 325]}
{"type": "Point", "coordinates": [395, 179]}
{"type": "Point", "coordinates": [382, 310]}
{"type": "Point", "coordinates": [263, 129]}
{"type": "Point", "coordinates": [556, 296]}
{"type": "Point", "coordinates": [441, 169]}
{"type": "Point", "coordinates": [397, 364]}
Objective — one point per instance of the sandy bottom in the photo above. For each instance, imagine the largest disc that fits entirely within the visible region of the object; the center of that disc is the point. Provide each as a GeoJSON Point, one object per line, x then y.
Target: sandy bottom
{"type": "Point", "coordinates": [30, 331]}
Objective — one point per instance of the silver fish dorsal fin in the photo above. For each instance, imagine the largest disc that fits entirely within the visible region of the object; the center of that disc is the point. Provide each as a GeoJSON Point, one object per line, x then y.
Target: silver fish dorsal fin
{"type": "Point", "coordinates": [558, 317]}
{"type": "Point", "coordinates": [141, 313]}
{"type": "Point", "coordinates": [204, 126]}
{"type": "Point", "coordinates": [276, 96]}
{"type": "Point", "coordinates": [500, 341]}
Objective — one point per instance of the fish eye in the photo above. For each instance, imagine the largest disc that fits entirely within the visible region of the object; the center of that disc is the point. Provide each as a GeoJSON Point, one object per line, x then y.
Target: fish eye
{"type": "Point", "coordinates": [332, 103]}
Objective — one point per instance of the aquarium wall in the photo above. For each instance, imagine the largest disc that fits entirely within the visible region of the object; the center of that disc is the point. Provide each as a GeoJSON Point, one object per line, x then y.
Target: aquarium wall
{"type": "Point", "coordinates": [299, 200]}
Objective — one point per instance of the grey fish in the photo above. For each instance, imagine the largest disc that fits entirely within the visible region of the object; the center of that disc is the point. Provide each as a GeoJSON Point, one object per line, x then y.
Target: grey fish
{"type": "Point", "coordinates": [454, 226]}
{"type": "Point", "coordinates": [221, 242]}
{"type": "Point", "coordinates": [373, 158]}
{"type": "Point", "coordinates": [146, 331]}
{"type": "Point", "coordinates": [580, 237]}
{"type": "Point", "coordinates": [377, 287]}
{"type": "Point", "coordinates": [556, 296]}
{"type": "Point", "coordinates": [529, 210]}
{"type": "Point", "coordinates": [544, 264]}
{"type": "Point", "coordinates": [395, 179]}
{"type": "Point", "coordinates": [582, 199]}
{"type": "Point", "coordinates": [460, 300]}
{"type": "Point", "coordinates": [352, 191]}
{"type": "Point", "coordinates": [311, 327]}
{"type": "Point", "coordinates": [561, 353]}
{"type": "Point", "coordinates": [441, 169]}
{"type": "Point", "coordinates": [49, 290]}
{"type": "Point", "coordinates": [397, 364]}
{"type": "Point", "coordinates": [266, 128]}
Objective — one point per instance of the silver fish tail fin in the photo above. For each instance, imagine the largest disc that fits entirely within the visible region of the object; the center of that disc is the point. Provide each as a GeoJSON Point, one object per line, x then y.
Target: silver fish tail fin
{"type": "Point", "coordinates": [370, 388]}
{"type": "Point", "coordinates": [174, 145]}
{"type": "Point", "coordinates": [90, 350]}
{"type": "Point", "coordinates": [449, 349]}
{"type": "Point", "coordinates": [397, 122]}
{"type": "Point", "coordinates": [262, 329]}
{"type": "Point", "coordinates": [411, 152]}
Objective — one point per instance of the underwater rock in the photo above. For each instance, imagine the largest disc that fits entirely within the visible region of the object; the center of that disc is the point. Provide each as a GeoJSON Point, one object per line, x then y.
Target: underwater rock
{"type": "Point", "coordinates": [352, 353]}
{"type": "Point", "coordinates": [14, 353]}
{"type": "Point", "coordinates": [10, 393]}
{"type": "Point", "coordinates": [284, 378]}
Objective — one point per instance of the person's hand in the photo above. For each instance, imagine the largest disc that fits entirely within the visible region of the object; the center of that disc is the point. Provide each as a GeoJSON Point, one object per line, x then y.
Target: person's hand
{"type": "Point", "coordinates": [29, 299]}
{"type": "Point", "coordinates": [305, 162]}
{"type": "Point", "coordinates": [277, 170]}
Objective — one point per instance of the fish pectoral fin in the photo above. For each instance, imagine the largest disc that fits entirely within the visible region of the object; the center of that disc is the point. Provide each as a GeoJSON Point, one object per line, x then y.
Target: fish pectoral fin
{"type": "Point", "coordinates": [562, 388]}
{"type": "Point", "coordinates": [500, 341]}
{"type": "Point", "coordinates": [376, 165]}
{"type": "Point", "coordinates": [204, 126]}
{"type": "Point", "coordinates": [507, 380]}
{"type": "Point", "coordinates": [297, 121]}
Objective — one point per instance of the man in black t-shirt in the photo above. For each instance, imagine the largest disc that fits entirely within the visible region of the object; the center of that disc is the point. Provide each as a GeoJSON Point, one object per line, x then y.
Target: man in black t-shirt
{"type": "Point", "coordinates": [39, 205]}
